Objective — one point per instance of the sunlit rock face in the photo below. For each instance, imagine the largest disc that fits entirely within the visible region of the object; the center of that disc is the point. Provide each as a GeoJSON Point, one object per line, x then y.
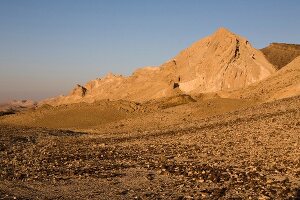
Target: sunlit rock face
{"type": "Point", "coordinates": [222, 61]}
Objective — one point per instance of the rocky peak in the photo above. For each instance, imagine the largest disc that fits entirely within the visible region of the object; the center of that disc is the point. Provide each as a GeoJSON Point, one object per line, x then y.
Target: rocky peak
{"type": "Point", "coordinates": [219, 62]}
{"type": "Point", "coordinates": [223, 32]}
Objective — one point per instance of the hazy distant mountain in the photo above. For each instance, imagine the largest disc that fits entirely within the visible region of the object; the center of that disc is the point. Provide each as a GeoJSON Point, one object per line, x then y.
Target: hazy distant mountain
{"type": "Point", "coordinates": [16, 106]}
{"type": "Point", "coordinates": [282, 84]}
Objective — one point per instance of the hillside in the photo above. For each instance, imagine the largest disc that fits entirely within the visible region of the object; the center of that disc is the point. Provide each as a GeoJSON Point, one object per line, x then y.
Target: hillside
{"type": "Point", "coordinates": [284, 83]}
{"type": "Point", "coordinates": [106, 115]}
{"type": "Point", "coordinates": [220, 62]}
{"type": "Point", "coordinates": [280, 54]}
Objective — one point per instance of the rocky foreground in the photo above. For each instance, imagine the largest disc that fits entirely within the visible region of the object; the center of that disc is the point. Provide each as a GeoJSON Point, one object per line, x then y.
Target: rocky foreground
{"type": "Point", "coordinates": [249, 154]}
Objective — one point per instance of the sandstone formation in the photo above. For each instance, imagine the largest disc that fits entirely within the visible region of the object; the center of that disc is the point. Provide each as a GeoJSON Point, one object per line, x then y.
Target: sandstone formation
{"type": "Point", "coordinates": [223, 61]}
{"type": "Point", "coordinates": [284, 83]}
{"type": "Point", "coordinates": [78, 91]}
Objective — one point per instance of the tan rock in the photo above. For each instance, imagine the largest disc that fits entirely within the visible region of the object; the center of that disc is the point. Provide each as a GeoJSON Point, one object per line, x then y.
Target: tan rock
{"type": "Point", "coordinates": [220, 62]}
{"type": "Point", "coordinates": [223, 61]}
{"type": "Point", "coordinates": [283, 84]}
{"type": "Point", "coordinates": [78, 91]}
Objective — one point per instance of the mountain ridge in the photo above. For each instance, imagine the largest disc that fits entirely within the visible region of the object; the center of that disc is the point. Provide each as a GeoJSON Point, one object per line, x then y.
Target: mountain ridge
{"type": "Point", "coordinates": [219, 62]}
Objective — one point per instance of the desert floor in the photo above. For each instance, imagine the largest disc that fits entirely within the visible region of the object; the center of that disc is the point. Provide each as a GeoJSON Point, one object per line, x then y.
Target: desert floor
{"type": "Point", "coordinates": [177, 148]}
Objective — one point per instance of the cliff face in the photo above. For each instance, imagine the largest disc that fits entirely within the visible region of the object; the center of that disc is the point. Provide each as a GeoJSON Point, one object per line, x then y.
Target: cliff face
{"type": "Point", "coordinates": [280, 54]}
{"type": "Point", "coordinates": [223, 61]}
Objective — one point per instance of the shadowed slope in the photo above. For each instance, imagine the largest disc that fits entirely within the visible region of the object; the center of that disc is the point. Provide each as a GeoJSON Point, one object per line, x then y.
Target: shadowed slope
{"type": "Point", "coordinates": [280, 54]}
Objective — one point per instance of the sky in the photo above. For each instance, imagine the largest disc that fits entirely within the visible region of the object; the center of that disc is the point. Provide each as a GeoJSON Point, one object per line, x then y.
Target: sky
{"type": "Point", "coordinates": [46, 47]}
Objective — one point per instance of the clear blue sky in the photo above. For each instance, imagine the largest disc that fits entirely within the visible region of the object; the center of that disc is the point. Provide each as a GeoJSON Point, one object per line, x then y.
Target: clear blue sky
{"type": "Point", "coordinates": [46, 47]}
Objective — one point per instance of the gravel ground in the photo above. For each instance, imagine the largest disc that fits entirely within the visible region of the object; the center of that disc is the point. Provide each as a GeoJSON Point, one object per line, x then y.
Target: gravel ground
{"type": "Point", "coordinates": [248, 154]}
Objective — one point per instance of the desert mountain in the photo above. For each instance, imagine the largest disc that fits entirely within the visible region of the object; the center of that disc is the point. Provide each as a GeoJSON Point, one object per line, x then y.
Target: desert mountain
{"type": "Point", "coordinates": [184, 135]}
{"type": "Point", "coordinates": [222, 61]}
{"type": "Point", "coordinates": [280, 54]}
{"type": "Point", "coordinates": [283, 84]}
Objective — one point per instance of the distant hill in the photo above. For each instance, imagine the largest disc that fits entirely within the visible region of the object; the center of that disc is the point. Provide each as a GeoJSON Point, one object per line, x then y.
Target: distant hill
{"type": "Point", "coordinates": [280, 54]}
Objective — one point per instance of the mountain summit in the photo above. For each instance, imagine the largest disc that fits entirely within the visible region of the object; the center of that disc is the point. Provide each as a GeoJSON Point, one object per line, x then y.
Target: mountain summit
{"type": "Point", "coordinates": [222, 61]}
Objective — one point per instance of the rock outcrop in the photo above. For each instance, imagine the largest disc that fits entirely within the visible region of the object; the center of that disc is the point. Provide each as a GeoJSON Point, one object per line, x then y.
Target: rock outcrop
{"type": "Point", "coordinates": [223, 61]}
{"type": "Point", "coordinates": [79, 91]}
{"type": "Point", "coordinates": [283, 84]}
